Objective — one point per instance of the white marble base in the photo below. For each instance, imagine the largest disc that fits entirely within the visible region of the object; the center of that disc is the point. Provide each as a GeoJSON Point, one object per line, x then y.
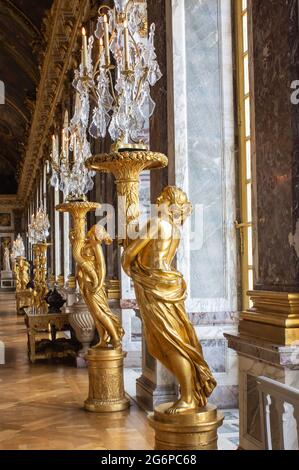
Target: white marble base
{"type": "Point", "coordinates": [256, 359]}
{"type": "Point", "coordinates": [7, 280]}
{"type": "Point", "coordinates": [161, 388]}
{"type": "Point", "coordinates": [131, 341]}
{"type": "Point", "coordinates": [223, 362]}
{"type": "Point", "coordinates": [156, 385]}
{"type": "Point", "coordinates": [6, 275]}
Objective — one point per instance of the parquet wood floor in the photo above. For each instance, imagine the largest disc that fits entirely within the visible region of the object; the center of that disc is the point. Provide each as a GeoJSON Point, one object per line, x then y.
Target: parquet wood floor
{"type": "Point", "coordinates": [41, 405]}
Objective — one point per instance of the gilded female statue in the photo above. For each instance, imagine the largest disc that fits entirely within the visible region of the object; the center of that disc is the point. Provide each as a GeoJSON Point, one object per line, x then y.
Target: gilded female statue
{"type": "Point", "coordinates": [23, 273]}
{"type": "Point", "coordinates": [91, 274]}
{"type": "Point", "coordinates": [161, 292]}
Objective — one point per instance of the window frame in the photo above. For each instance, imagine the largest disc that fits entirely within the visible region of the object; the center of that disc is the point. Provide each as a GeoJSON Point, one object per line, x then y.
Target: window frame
{"type": "Point", "coordinates": [245, 225]}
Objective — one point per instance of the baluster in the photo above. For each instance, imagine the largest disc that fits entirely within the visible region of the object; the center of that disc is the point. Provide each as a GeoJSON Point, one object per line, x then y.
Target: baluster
{"type": "Point", "coordinates": [265, 402]}
{"type": "Point", "coordinates": [277, 412]}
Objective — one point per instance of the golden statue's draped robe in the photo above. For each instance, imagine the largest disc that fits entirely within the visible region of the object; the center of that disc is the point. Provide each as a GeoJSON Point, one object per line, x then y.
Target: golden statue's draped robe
{"type": "Point", "coordinates": [161, 295]}
{"type": "Point", "coordinates": [95, 298]}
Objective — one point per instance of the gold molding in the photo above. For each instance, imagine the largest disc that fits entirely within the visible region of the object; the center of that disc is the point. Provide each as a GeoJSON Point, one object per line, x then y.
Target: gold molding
{"type": "Point", "coordinates": [8, 202]}
{"type": "Point", "coordinates": [274, 317]}
{"type": "Point", "coordinates": [62, 25]}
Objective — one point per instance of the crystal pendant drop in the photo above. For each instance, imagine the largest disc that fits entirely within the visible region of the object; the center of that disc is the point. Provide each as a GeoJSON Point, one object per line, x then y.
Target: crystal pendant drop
{"type": "Point", "coordinates": [55, 181]}
{"type": "Point", "coordinates": [121, 5]}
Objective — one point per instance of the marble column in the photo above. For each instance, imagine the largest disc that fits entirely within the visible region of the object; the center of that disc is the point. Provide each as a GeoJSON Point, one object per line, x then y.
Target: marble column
{"type": "Point", "coordinates": [275, 117]}
{"type": "Point", "coordinates": [267, 343]}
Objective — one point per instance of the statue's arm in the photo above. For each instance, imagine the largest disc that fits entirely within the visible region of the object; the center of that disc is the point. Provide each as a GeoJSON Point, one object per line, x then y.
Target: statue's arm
{"type": "Point", "coordinates": [149, 232]}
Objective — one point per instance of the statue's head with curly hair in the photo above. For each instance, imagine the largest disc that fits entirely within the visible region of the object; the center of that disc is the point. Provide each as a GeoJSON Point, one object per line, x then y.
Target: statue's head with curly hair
{"type": "Point", "coordinates": [174, 201]}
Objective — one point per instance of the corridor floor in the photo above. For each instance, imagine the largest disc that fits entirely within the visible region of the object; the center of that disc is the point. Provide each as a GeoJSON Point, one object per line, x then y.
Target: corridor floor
{"type": "Point", "coordinates": [41, 405]}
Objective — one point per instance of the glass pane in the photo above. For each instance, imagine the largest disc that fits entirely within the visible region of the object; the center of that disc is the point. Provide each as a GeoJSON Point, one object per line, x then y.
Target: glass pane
{"type": "Point", "coordinates": [246, 75]}
{"type": "Point", "coordinates": [250, 247]}
{"type": "Point", "coordinates": [244, 5]}
{"type": "Point", "coordinates": [249, 204]}
{"type": "Point", "coordinates": [250, 279]}
{"type": "Point", "coordinates": [248, 160]}
{"type": "Point", "coordinates": [245, 33]}
{"type": "Point", "coordinates": [247, 117]}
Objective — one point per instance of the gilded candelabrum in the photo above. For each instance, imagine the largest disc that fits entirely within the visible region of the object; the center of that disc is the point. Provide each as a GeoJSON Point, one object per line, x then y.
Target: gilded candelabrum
{"type": "Point", "coordinates": [23, 273]}
{"type": "Point", "coordinates": [40, 275]}
{"type": "Point", "coordinates": [105, 359]}
{"type": "Point", "coordinates": [24, 296]}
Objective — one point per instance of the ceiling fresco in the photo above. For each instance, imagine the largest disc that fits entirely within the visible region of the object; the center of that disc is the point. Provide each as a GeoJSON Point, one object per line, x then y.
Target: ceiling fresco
{"type": "Point", "coordinates": [21, 45]}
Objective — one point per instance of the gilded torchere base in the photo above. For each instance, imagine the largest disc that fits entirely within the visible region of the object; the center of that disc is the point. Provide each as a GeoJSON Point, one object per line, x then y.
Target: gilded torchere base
{"type": "Point", "coordinates": [195, 430]}
{"type": "Point", "coordinates": [106, 381]}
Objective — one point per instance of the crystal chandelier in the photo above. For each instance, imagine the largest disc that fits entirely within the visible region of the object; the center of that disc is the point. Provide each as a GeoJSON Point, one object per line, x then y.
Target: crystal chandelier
{"type": "Point", "coordinates": [118, 69]}
{"type": "Point", "coordinates": [38, 230]}
{"type": "Point", "coordinates": [70, 175]}
{"type": "Point", "coordinates": [18, 248]}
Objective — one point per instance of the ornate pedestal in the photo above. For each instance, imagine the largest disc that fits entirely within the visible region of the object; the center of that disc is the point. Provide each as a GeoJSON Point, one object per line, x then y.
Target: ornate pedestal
{"type": "Point", "coordinates": [190, 431]}
{"type": "Point", "coordinates": [6, 280]}
{"type": "Point", "coordinates": [106, 384]}
{"type": "Point", "coordinates": [260, 358]}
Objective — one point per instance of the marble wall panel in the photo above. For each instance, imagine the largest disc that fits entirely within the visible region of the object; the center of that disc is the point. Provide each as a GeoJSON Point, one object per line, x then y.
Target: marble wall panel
{"type": "Point", "coordinates": [276, 65]}
{"type": "Point", "coordinates": [204, 150]}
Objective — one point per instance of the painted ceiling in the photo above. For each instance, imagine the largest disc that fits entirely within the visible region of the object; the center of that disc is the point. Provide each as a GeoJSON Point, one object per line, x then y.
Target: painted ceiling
{"type": "Point", "coordinates": [21, 46]}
